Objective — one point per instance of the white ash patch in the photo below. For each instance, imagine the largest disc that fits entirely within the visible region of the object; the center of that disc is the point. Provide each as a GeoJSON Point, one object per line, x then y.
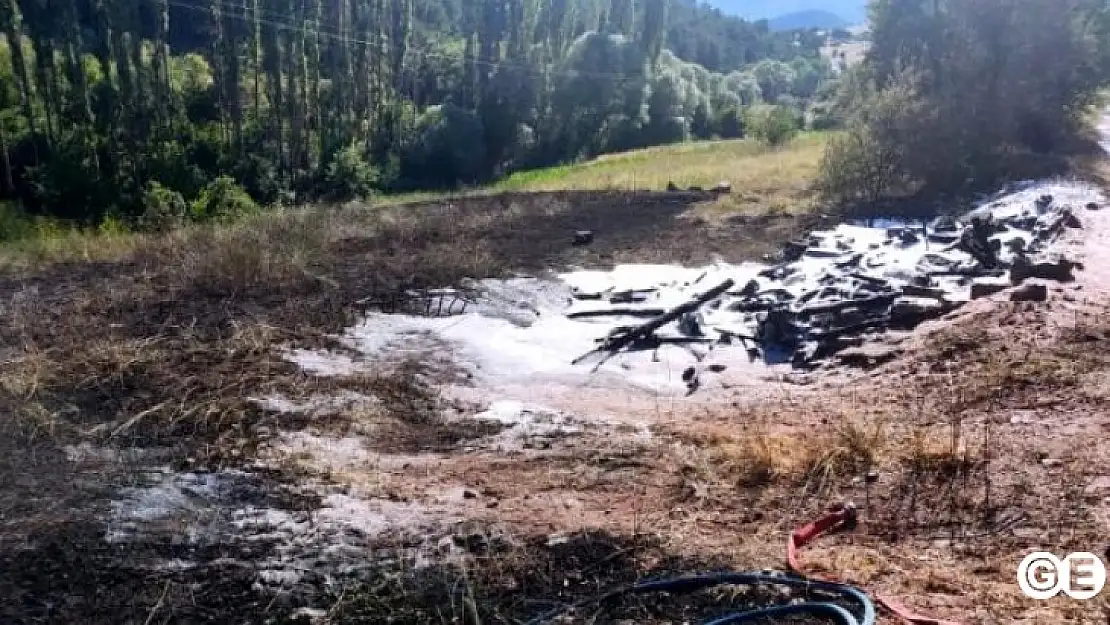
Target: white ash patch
{"type": "Point", "coordinates": [536, 426]}
{"type": "Point", "coordinates": [340, 537]}
{"type": "Point", "coordinates": [325, 363]}
{"type": "Point", "coordinates": [327, 453]}
{"type": "Point", "coordinates": [317, 405]}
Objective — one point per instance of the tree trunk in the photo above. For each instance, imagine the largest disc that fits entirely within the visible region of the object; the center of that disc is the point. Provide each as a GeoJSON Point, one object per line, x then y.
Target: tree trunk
{"type": "Point", "coordinates": [256, 58]}
{"type": "Point", "coordinates": [14, 33]}
{"type": "Point", "coordinates": [272, 60]}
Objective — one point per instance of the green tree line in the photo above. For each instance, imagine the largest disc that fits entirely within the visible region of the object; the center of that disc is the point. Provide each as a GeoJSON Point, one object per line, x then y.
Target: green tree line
{"type": "Point", "coordinates": [958, 95]}
{"type": "Point", "coordinates": [151, 111]}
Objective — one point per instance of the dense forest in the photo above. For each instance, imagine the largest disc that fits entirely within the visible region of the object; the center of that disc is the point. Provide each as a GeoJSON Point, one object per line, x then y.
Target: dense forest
{"type": "Point", "coordinates": [149, 112]}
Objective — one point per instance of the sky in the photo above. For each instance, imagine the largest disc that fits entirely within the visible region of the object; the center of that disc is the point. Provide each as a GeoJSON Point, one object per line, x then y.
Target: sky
{"type": "Point", "coordinates": [851, 10]}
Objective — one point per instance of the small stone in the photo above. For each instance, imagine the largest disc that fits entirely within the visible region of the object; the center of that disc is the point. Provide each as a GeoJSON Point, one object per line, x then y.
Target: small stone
{"type": "Point", "coordinates": [1052, 463]}
{"type": "Point", "coordinates": [1093, 206]}
{"type": "Point", "coordinates": [1030, 293]}
{"type": "Point", "coordinates": [689, 374]}
{"type": "Point", "coordinates": [717, 368]}
{"type": "Point", "coordinates": [469, 494]}
{"type": "Point", "coordinates": [555, 540]}
{"type": "Point", "coordinates": [723, 187]}
{"type": "Point", "coordinates": [583, 237]}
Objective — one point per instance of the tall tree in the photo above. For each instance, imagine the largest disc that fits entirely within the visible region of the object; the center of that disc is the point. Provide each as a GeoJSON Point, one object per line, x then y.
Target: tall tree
{"type": "Point", "coordinates": [13, 30]}
{"type": "Point", "coordinates": [274, 66]}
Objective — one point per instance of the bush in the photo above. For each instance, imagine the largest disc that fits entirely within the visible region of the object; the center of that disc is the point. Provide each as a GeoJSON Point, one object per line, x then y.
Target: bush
{"type": "Point", "coordinates": [823, 117]}
{"type": "Point", "coordinates": [15, 224]}
{"type": "Point", "coordinates": [730, 124]}
{"type": "Point", "coordinates": [773, 125]}
{"type": "Point", "coordinates": [857, 167]}
{"type": "Point", "coordinates": [871, 160]}
{"type": "Point", "coordinates": [349, 175]}
{"type": "Point", "coordinates": [223, 200]}
{"type": "Point", "coordinates": [701, 125]}
{"type": "Point", "coordinates": [448, 148]}
{"type": "Point", "coordinates": [163, 209]}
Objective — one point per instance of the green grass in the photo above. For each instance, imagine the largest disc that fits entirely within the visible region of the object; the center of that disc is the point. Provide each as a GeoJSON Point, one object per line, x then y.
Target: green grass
{"type": "Point", "coordinates": [762, 178]}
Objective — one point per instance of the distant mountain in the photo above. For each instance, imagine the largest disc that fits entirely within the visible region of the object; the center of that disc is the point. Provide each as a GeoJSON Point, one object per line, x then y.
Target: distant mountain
{"type": "Point", "coordinates": [808, 19]}
{"type": "Point", "coordinates": [852, 11]}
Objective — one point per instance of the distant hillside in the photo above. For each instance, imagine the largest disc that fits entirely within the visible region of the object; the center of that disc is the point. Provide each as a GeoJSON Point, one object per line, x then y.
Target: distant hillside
{"type": "Point", "coordinates": [852, 11]}
{"type": "Point", "coordinates": [808, 19]}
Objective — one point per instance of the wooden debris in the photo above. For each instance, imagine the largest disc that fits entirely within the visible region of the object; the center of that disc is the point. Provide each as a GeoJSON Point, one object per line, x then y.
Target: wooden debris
{"type": "Point", "coordinates": [615, 343]}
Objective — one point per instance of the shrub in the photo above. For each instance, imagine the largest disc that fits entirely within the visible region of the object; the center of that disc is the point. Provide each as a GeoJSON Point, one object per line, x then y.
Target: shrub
{"type": "Point", "coordinates": [349, 175]}
{"type": "Point", "coordinates": [872, 159]}
{"type": "Point", "coordinates": [823, 117]}
{"type": "Point", "coordinates": [857, 167]}
{"type": "Point", "coordinates": [163, 209]}
{"type": "Point", "coordinates": [223, 200]}
{"type": "Point", "coordinates": [773, 125]}
{"type": "Point", "coordinates": [730, 124]}
{"type": "Point", "coordinates": [701, 124]}
{"type": "Point", "coordinates": [15, 224]}
{"type": "Point", "coordinates": [448, 148]}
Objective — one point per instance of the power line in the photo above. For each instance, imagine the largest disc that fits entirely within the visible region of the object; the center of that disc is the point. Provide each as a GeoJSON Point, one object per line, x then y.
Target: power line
{"type": "Point", "coordinates": [424, 54]}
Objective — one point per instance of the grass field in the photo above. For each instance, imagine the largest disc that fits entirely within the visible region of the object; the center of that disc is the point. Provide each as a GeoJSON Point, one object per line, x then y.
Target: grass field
{"type": "Point", "coordinates": [776, 179]}
{"type": "Point", "coordinates": [764, 181]}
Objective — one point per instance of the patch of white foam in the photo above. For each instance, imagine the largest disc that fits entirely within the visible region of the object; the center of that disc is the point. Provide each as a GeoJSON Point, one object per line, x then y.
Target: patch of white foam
{"type": "Point", "coordinates": [527, 422]}
{"type": "Point", "coordinates": [517, 339]}
{"type": "Point", "coordinates": [320, 404]}
{"type": "Point", "coordinates": [324, 363]}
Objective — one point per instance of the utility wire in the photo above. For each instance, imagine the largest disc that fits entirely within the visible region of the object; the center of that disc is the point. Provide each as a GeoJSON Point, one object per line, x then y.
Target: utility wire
{"type": "Point", "coordinates": [424, 54]}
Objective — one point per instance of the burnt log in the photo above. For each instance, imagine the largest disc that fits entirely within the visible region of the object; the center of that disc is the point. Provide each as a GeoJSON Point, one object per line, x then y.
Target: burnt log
{"type": "Point", "coordinates": [617, 312]}
{"type": "Point", "coordinates": [979, 290]}
{"type": "Point", "coordinates": [1059, 270]}
{"type": "Point", "coordinates": [615, 343]}
{"type": "Point", "coordinates": [913, 290]}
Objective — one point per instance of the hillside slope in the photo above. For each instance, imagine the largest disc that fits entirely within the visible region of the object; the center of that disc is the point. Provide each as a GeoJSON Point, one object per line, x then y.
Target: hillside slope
{"type": "Point", "coordinates": [854, 11]}
{"type": "Point", "coordinates": [808, 19]}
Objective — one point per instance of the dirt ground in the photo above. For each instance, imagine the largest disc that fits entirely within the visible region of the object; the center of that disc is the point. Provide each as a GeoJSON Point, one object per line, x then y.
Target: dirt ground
{"type": "Point", "coordinates": [144, 482]}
